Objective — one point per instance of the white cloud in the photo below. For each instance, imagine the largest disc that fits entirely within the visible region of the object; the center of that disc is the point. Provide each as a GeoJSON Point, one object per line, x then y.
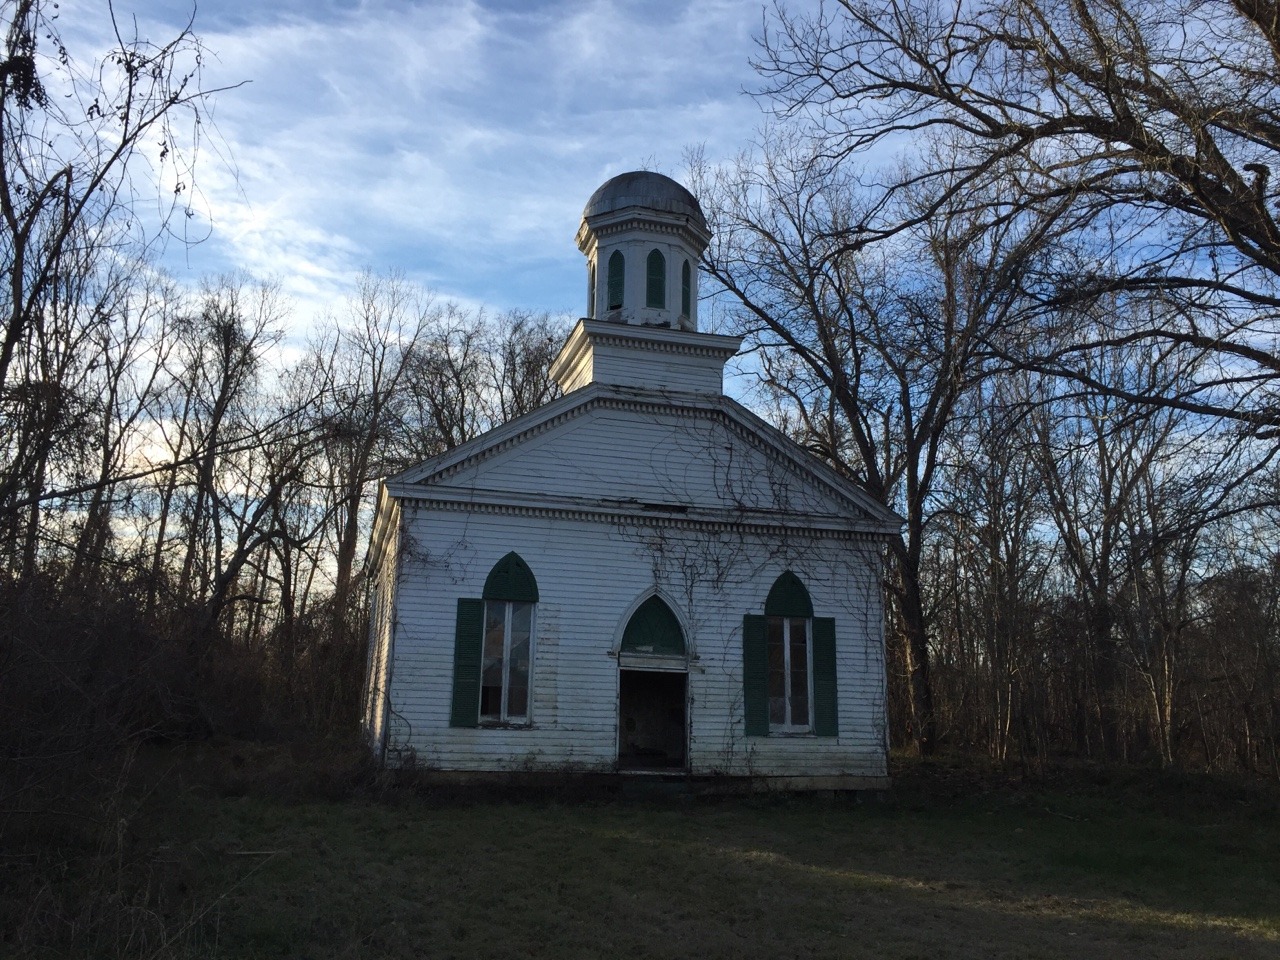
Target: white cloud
{"type": "Point", "coordinates": [457, 141]}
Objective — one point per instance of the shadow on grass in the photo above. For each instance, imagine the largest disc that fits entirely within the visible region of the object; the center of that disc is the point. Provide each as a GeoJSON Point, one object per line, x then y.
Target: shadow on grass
{"type": "Point", "coordinates": [276, 856]}
{"type": "Point", "coordinates": [729, 879]}
{"type": "Point", "coordinates": [914, 892]}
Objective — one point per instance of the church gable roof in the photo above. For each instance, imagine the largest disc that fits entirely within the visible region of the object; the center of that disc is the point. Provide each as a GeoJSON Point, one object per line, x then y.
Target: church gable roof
{"type": "Point", "coordinates": [615, 447]}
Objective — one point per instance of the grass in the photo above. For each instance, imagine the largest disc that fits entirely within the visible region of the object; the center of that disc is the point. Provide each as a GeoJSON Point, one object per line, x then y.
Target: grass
{"type": "Point", "coordinates": [958, 864]}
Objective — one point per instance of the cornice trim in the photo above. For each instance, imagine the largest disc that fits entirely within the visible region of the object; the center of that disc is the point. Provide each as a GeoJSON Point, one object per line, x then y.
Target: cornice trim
{"type": "Point", "coordinates": [619, 517]}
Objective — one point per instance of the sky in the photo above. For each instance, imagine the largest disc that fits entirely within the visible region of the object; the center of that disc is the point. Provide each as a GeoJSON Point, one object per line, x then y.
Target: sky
{"type": "Point", "coordinates": [454, 140]}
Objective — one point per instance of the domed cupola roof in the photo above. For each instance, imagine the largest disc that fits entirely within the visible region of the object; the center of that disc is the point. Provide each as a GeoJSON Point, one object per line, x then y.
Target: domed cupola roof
{"type": "Point", "coordinates": [642, 234]}
{"type": "Point", "coordinates": [643, 188]}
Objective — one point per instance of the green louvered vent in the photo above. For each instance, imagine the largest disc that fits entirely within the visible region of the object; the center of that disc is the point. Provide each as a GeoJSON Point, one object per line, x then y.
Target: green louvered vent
{"type": "Point", "coordinates": [788, 598]}
{"type": "Point", "coordinates": [653, 628]}
{"type": "Point", "coordinates": [656, 277]}
{"type": "Point", "coordinates": [591, 289]}
{"type": "Point", "coordinates": [466, 664]}
{"type": "Point", "coordinates": [686, 289]}
{"type": "Point", "coordinates": [511, 579]}
{"type": "Point", "coordinates": [755, 674]}
{"type": "Point", "coordinates": [617, 270]}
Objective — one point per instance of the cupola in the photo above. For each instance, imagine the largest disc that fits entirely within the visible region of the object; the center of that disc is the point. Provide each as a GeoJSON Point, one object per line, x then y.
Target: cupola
{"type": "Point", "coordinates": [642, 234]}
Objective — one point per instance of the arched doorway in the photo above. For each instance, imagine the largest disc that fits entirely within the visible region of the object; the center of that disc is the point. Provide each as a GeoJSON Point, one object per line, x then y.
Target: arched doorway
{"type": "Point", "coordinates": [653, 691]}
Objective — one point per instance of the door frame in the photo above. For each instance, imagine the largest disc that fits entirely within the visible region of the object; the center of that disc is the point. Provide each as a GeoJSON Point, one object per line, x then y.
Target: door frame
{"type": "Point", "coordinates": [667, 665]}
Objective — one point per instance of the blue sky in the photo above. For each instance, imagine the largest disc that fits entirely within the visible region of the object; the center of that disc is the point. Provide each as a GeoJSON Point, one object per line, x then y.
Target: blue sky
{"type": "Point", "coordinates": [456, 141]}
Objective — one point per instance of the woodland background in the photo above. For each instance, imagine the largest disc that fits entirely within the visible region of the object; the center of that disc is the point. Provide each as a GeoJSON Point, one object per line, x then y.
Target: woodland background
{"type": "Point", "coordinates": [1013, 266]}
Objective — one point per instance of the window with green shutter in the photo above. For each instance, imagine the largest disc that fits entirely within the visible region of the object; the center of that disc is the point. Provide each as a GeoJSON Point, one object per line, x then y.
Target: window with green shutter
{"type": "Point", "coordinates": [493, 648]}
{"type": "Point", "coordinates": [686, 289]}
{"type": "Point", "coordinates": [656, 275]}
{"type": "Point", "coordinates": [591, 289]}
{"type": "Point", "coordinates": [617, 271]}
{"type": "Point", "coordinates": [789, 665]}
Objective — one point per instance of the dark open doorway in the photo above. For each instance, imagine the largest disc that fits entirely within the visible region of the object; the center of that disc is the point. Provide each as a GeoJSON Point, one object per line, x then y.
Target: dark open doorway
{"type": "Point", "coordinates": [651, 720]}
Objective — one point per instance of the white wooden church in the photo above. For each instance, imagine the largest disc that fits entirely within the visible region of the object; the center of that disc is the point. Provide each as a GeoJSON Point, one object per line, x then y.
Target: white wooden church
{"type": "Point", "coordinates": [641, 575]}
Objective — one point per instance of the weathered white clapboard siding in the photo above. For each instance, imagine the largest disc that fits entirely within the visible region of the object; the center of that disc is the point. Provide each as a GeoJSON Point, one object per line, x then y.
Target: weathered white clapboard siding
{"type": "Point", "coordinates": [623, 354]}
{"type": "Point", "coordinates": [843, 582]}
{"type": "Point", "coordinates": [591, 574]}
{"type": "Point", "coordinates": [609, 495]}
{"type": "Point", "coordinates": [652, 452]}
{"type": "Point", "coordinates": [382, 617]}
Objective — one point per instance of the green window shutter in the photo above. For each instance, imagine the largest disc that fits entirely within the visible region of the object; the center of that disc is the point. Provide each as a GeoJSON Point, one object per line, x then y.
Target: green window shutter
{"type": "Point", "coordinates": [824, 678]}
{"type": "Point", "coordinates": [656, 276]}
{"type": "Point", "coordinates": [617, 270]}
{"type": "Point", "coordinates": [686, 289]}
{"type": "Point", "coordinates": [755, 674]}
{"type": "Point", "coordinates": [467, 645]}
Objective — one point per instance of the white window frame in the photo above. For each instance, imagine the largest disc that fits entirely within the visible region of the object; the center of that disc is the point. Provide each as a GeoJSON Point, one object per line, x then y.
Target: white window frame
{"type": "Point", "coordinates": [503, 718]}
{"type": "Point", "coordinates": [790, 726]}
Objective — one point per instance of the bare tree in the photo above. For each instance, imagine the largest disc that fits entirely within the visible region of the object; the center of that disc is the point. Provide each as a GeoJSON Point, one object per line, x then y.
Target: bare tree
{"type": "Point", "coordinates": [1132, 491]}
{"type": "Point", "coordinates": [471, 372]}
{"type": "Point", "coordinates": [522, 346]}
{"type": "Point", "coordinates": [990, 563]}
{"type": "Point", "coordinates": [68, 134]}
{"type": "Point", "coordinates": [1156, 121]}
{"type": "Point", "coordinates": [71, 220]}
{"type": "Point", "coordinates": [1236, 701]}
{"type": "Point", "coordinates": [127, 380]}
{"type": "Point", "coordinates": [882, 343]}
{"type": "Point", "coordinates": [362, 361]}
{"type": "Point", "coordinates": [221, 358]}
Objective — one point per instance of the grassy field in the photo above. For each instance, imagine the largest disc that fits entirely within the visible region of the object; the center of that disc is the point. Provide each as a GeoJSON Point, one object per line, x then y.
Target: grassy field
{"type": "Point", "coordinates": [957, 864]}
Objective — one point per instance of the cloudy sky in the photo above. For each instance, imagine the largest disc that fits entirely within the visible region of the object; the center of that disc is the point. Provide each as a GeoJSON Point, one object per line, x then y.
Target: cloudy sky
{"type": "Point", "coordinates": [456, 140]}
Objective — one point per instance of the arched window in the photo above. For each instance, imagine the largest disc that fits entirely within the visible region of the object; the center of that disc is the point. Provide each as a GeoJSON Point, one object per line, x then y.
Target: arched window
{"type": "Point", "coordinates": [617, 268]}
{"type": "Point", "coordinates": [789, 664]}
{"type": "Point", "coordinates": [788, 598]}
{"type": "Point", "coordinates": [493, 648]}
{"type": "Point", "coordinates": [686, 290]}
{"type": "Point", "coordinates": [591, 289]}
{"type": "Point", "coordinates": [653, 628]}
{"type": "Point", "coordinates": [656, 275]}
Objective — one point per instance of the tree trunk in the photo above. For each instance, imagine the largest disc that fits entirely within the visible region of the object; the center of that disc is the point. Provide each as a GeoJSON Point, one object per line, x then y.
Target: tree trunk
{"type": "Point", "coordinates": [915, 640]}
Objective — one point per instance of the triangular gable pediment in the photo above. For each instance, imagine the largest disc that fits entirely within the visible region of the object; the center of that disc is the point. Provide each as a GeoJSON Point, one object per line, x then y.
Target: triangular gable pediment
{"type": "Point", "coordinates": [623, 448]}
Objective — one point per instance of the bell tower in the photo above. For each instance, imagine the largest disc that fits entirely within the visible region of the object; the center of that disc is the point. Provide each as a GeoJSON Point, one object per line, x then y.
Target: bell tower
{"type": "Point", "coordinates": [642, 234]}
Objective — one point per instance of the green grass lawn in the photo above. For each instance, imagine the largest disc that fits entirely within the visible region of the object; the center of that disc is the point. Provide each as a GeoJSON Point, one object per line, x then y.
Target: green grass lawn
{"type": "Point", "coordinates": [967, 866]}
